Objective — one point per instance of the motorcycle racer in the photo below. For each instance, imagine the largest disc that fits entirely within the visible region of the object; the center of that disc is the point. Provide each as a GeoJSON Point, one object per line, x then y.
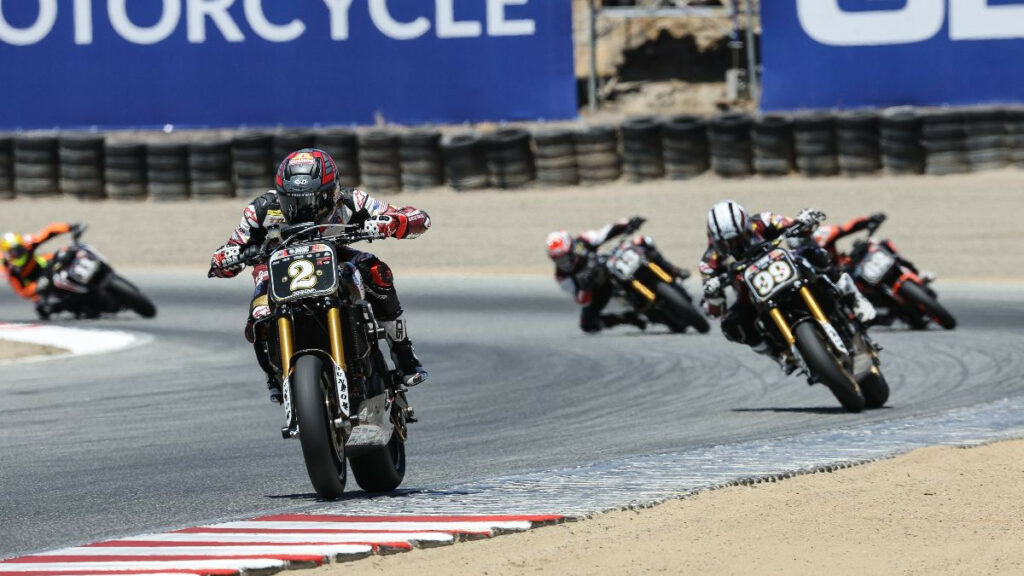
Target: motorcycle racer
{"type": "Point", "coordinates": [28, 272]}
{"type": "Point", "coordinates": [731, 231]}
{"type": "Point", "coordinates": [827, 235]}
{"type": "Point", "coordinates": [578, 272]}
{"type": "Point", "coordinates": [307, 190]}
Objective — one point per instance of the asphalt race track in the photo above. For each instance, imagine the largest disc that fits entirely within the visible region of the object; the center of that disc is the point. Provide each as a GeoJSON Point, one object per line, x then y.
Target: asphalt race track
{"type": "Point", "coordinates": [179, 431]}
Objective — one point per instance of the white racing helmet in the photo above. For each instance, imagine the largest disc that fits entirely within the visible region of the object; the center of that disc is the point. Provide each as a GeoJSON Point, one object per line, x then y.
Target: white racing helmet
{"type": "Point", "coordinates": [729, 228]}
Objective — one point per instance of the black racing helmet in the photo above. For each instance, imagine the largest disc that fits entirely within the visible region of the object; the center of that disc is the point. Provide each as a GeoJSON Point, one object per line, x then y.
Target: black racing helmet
{"type": "Point", "coordinates": [306, 185]}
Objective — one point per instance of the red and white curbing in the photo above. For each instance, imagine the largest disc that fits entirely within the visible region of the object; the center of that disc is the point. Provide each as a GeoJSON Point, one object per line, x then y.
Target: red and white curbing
{"type": "Point", "coordinates": [266, 545]}
{"type": "Point", "coordinates": [77, 341]}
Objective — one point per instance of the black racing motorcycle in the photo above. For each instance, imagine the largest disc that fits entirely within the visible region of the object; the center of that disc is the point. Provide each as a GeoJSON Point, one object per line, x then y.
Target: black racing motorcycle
{"type": "Point", "coordinates": [893, 285]}
{"type": "Point", "coordinates": [802, 313]}
{"type": "Point", "coordinates": [82, 282]}
{"type": "Point", "coordinates": [343, 397]}
{"type": "Point", "coordinates": [648, 289]}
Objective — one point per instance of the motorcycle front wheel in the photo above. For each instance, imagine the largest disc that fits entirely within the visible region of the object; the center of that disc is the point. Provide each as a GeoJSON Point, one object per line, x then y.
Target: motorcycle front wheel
{"type": "Point", "coordinates": [126, 294]}
{"type": "Point", "coordinates": [322, 447]}
{"type": "Point", "coordinates": [679, 310]}
{"type": "Point", "coordinates": [822, 363]}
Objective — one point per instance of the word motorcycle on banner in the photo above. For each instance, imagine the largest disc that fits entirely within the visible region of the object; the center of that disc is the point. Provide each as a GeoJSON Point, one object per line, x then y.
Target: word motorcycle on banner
{"type": "Point", "coordinates": [195, 63]}
{"type": "Point", "coordinates": [851, 53]}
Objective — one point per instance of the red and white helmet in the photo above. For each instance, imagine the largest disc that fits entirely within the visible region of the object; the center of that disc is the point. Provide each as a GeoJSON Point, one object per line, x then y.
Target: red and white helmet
{"type": "Point", "coordinates": [729, 228]}
{"type": "Point", "coordinates": [561, 249]}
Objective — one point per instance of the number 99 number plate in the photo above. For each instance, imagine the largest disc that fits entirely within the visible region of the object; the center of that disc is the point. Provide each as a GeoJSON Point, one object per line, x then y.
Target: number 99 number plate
{"type": "Point", "coordinates": [770, 274]}
{"type": "Point", "coordinates": [302, 271]}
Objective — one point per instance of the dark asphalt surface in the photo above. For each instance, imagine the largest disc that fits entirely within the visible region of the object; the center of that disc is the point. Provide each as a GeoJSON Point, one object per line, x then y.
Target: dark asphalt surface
{"type": "Point", "coordinates": [179, 431]}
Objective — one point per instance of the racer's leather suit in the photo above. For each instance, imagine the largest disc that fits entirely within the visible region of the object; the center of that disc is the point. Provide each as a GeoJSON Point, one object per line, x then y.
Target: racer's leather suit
{"type": "Point", "coordinates": [586, 280]}
{"type": "Point", "coordinates": [351, 206]}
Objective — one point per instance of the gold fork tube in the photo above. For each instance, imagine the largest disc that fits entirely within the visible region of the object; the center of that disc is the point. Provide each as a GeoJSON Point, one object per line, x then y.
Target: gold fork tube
{"type": "Point", "coordinates": [284, 336]}
{"type": "Point", "coordinates": [812, 305]}
{"type": "Point", "coordinates": [643, 290]}
{"type": "Point", "coordinates": [659, 272]}
{"type": "Point", "coordinates": [783, 327]}
{"type": "Point", "coordinates": [337, 341]}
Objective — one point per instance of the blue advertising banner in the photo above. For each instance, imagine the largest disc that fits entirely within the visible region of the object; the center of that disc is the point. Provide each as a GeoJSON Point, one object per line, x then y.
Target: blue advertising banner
{"type": "Point", "coordinates": [851, 53]}
{"type": "Point", "coordinates": [195, 63]}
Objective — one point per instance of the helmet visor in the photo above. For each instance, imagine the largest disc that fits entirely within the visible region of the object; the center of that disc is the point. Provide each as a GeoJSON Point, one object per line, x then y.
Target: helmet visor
{"type": "Point", "coordinates": [298, 207]}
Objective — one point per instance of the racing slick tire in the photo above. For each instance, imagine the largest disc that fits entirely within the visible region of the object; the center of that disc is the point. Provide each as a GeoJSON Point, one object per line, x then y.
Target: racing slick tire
{"type": "Point", "coordinates": [823, 364]}
{"type": "Point", "coordinates": [125, 293]}
{"type": "Point", "coordinates": [875, 389]}
{"type": "Point", "coordinates": [680, 311]}
{"type": "Point", "coordinates": [917, 298]}
{"type": "Point", "coordinates": [325, 458]}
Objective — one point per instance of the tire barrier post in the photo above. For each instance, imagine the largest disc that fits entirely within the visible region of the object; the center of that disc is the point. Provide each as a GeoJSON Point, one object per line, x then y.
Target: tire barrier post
{"type": "Point", "coordinates": [945, 142]}
{"type": "Point", "coordinates": [597, 154]}
{"type": "Point", "coordinates": [642, 149]}
{"type": "Point", "coordinates": [419, 156]}
{"type": "Point", "coordinates": [80, 156]}
{"type": "Point", "coordinates": [378, 161]}
{"type": "Point", "coordinates": [814, 138]}
{"type": "Point", "coordinates": [252, 163]}
{"type": "Point", "coordinates": [6, 167]}
{"type": "Point", "coordinates": [341, 144]}
{"type": "Point", "coordinates": [464, 161]}
{"type": "Point", "coordinates": [732, 154]}
{"type": "Point", "coordinates": [986, 138]}
{"type": "Point", "coordinates": [210, 170]}
{"type": "Point", "coordinates": [900, 140]}
{"type": "Point", "coordinates": [684, 146]}
{"type": "Point", "coordinates": [857, 143]}
{"type": "Point", "coordinates": [555, 157]}
{"type": "Point", "coordinates": [1015, 135]}
{"type": "Point", "coordinates": [124, 170]}
{"type": "Point", "coordinates": [509, 158]}
{"type": "Point", "coordinates": [772, 137]}
{"type": "Point", "coordinates": [167, 170]}
{"type": "Point", "coordinates": [35, 165]}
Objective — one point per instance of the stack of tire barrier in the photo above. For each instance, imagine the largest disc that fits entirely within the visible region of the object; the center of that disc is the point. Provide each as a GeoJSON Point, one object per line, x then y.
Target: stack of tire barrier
{"type": "Point", "coordinates": [945, 141]}
{"type": "Point", "coordinates": [341, 144]}
{"type": "Point", "coordinates": [35, 165]}
{"type": "Point", "coordinates": [286, 142]}
{"type": "Point", "coordinates": [986, 138]}
{"type": "Point", "coordinates": [684, 144]}
{"type": "Point", "coordinates": [209, 169]}
{"type": "Point", "coordinates": [555, 155]}
{"type": "Point", "coordinates": [509, 158]}
{"type": "Point", "coordinates": [857, 143]}
{"type": "Point", "coordinates": [81, 165]}
{"type": "Point", "coordinates": [419, 157]}
{"type": "Point", "coordinates": [597, 154]}
{"type": "Point", "coordinates": [732, 154]}
{"type": "Point", "coordinates": [1014, 135]}
{"type": "Point", "coordinates": [124, 170]}
{"type": "Point", "coordinates": [6, 167]}
{"type": "Point", "coordinates": [772, 137]}
{"type": "Point", "coordinates": [814, 139]}
{"type": "Point", "coordinates": [252, 163]}
{"type": "Point", "coordinates": [379, 161]}
{"type": "Point", "coordinates": [465, 162]}
{"type": "Point", "coordinates": [900, 141]}
{"type": "Point", "coordinates": [641, 149]}
{"type": "Point", "coordinates": [167, 170]}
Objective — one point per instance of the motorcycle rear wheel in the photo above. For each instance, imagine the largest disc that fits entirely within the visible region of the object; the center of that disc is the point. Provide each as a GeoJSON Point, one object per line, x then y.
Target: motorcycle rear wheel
{"type": "Point", "coordinates": [383, 469]}
{"type": "Point", "coordinates": [680, 311]}
{"type": "Point", "coordinates": [875, 389]}
{"type": "Point", "coordinates": [822, 363]}
{"type": "Point", "coordinates": [125, 293]}
{"type": "Point", "coordinates": [919, 300]}
{"type": "Point", "coordinates": [325, 463]}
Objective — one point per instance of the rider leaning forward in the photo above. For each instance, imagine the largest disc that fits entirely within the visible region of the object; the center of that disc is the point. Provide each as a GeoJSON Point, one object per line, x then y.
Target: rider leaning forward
{"type": "Point", "coordinates": [307, 190]}
{"type": "Point", "coordinates": [28, 272]}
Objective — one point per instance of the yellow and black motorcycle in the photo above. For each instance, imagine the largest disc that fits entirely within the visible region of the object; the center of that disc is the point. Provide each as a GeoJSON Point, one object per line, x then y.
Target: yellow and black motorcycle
{"type": "Point", "coordinates": [343, 398]}
{"type": "Point", "coordinates": [801, 313]}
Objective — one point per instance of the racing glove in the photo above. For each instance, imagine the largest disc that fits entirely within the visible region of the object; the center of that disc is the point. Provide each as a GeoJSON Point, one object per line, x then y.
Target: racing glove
{"type": "Point", "coordinates": [714, 297]}
{"type": "Point", "coordinates": [877, 218]}
{"type": "Point", "coordinates": [226, 253]}
{"type": "Point", "coordinates": [390, 226]}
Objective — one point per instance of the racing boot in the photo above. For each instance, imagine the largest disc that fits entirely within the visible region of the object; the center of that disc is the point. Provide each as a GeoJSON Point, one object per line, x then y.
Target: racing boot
{"type": "Point", "coordinates": [862, 308]}
{"type": "Point", "coordinates": [613, 320]}
{"type": "Point", "coordinates": [403, 353]}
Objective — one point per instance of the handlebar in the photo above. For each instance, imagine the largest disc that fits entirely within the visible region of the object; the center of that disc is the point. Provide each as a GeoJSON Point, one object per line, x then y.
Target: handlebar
{"type": "Point", "coordinates": [289, 233]}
